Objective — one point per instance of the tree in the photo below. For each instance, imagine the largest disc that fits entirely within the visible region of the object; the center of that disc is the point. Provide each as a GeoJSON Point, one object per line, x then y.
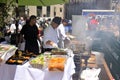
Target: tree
{"type": "Point", "coordinates": [4, 13]}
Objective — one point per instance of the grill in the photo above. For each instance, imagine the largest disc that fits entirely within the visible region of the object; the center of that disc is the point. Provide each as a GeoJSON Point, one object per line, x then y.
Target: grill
{"type": "Point", "coordinates": [81, 51]}
{"type": "Point", "coordinates": [77, 47]}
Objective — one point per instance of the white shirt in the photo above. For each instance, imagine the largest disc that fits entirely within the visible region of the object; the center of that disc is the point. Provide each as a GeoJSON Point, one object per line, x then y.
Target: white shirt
{"type": "Point", "coordinates": [37, 25]}
{"type": "Point", "coordinates": [13, 27]}
{"type": "Point", "coordinates": [61, 31]}
{"type": "Point", "coordinates": [50, 34]}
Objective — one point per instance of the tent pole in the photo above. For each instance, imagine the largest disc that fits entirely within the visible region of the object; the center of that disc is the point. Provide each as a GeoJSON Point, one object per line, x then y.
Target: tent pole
{"type": "Point", "coordinates": [17, 20]}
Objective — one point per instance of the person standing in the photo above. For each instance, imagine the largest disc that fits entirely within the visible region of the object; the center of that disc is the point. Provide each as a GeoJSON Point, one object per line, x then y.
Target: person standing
{"type": "Point", "coordinates": [93, 24]}
{"type": "Point", "coordinates": [14, 29]}
{"type": "Point", "coordinates": [50, 37]}
{"type": "Point", "coordinates": [31, 35]}
{"type": "Point", "coordinates": [62, 34]}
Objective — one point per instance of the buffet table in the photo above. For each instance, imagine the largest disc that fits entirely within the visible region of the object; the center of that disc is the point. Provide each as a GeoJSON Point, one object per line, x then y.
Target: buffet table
{"type": "Point", "coordinates": [26, 72]}
{"type": "Point", "coordinates": [6, 51]}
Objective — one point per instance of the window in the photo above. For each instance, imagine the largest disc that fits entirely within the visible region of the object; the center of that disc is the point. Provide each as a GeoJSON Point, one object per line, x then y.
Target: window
{"type": "Point", "coordinates": [21, 10]}
{"type": "Point", "coordinates": [39, 11]}
{"type": "Point", "coordinates": [48, 11]}
{"type": "Point", "coordinates": [54, 11]}
{"type": "Point", "coordinates": [60, 9]}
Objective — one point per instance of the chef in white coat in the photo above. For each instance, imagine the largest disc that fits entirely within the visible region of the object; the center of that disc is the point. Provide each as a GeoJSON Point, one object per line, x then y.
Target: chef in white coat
{"type": "Point", "coordinates": [61, 33]}
{"type": "Point", "coordinates": [50, 37]}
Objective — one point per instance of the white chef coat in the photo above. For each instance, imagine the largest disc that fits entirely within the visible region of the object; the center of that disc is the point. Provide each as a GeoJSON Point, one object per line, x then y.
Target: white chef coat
{"type": "Point", "coordinates": [50, 34]}
{"type": "Point", "coordinates": [61, 29]}
{"type": "Point", "coordinates": [62, 35]}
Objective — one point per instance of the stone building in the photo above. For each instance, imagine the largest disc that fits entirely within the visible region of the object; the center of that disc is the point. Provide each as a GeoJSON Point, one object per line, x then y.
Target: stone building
{"type": "Point", "coordinates": [74, 7]}
{"type": "Point", "coordinates": [43, 11]}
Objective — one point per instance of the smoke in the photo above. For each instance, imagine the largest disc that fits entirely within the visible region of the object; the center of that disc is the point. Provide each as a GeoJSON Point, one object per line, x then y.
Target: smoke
{"type": "Point", "coordinates": [79, 29]}
{"type": "Point", "coordinates": [107, 32]}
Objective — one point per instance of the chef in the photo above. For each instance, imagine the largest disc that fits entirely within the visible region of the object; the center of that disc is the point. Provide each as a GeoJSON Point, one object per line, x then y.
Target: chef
{"type": "Point", "coordinates": [50, 38]}
{"type": "Point", "coordinates": [62, 35]}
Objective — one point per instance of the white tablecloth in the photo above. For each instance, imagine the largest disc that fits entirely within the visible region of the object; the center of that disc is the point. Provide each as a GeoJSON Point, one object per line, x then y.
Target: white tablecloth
{"type": "Point", "coordinates": [6, 54]}
{"type": "Point", "coordinates": [25, 72]}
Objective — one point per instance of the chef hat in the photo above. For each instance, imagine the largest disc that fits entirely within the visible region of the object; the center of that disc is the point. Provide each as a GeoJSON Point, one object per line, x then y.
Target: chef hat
{"type": "Point", "coordinates": [57, 20]}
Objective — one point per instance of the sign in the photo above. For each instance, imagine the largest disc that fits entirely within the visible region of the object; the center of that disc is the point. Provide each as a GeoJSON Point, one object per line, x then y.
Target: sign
{"type": "Point", "coordinates": [99, 13]}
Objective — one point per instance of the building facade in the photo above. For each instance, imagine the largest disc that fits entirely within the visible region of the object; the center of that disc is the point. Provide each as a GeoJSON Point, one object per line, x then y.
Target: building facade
{"type": "Point", "coordinates": [74, 7]}
{"type": "Point", "coordinates": [42, 11]}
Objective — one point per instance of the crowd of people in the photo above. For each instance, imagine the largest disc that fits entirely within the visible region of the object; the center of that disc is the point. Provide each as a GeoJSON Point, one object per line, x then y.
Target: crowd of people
{"type": "Point", "coordinates": [108, 24]}
{"type": "Point", "coordinates": [35, 35]}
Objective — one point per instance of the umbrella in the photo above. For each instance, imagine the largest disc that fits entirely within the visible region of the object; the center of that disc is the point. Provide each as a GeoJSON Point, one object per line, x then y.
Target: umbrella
{"type": "Point", "coordinates": [41, 2]}
{"type": "Point", "coordinates": [37, 2]}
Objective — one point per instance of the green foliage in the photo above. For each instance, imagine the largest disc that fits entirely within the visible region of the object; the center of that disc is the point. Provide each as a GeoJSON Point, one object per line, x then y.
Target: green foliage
{"type": "Point", "coordinates": [4, 11]}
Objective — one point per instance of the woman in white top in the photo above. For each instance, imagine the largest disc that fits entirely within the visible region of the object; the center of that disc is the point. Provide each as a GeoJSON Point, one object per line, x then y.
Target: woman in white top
{"type": "Point", "coordinates": [15, 32]}
{"type": "Point", "coordinates": [13, 27]}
